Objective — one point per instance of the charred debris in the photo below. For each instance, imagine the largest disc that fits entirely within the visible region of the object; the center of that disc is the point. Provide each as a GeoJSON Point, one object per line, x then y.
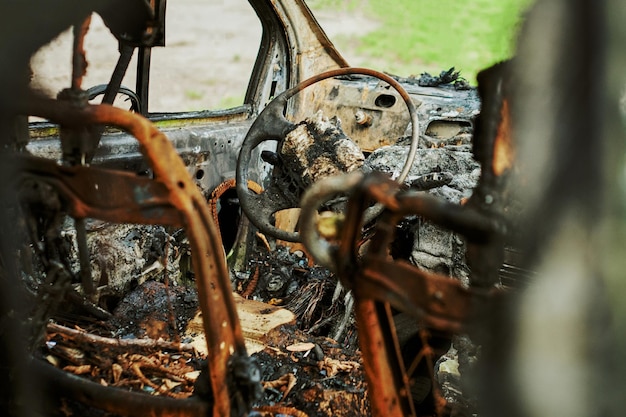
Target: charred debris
{"type": "Point", "coordinates": [140, 327]}
{"type": "Point", "coordinates": [148, 295]}
{"type": "Point", "coordinates": [160, 271]}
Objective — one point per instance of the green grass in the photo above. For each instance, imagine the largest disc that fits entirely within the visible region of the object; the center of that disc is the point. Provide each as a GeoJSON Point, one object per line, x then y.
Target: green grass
{"type": "Point", "coordinates": [230, 101]}
{"type": "Point", "coordinates": [432, 35]}
{"type": "Point", "coordinates": [343, 5]}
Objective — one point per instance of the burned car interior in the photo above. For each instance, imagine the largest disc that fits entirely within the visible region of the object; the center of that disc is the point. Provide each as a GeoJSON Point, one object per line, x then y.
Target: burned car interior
{"type": "Point", "coordinates": [345, 242]}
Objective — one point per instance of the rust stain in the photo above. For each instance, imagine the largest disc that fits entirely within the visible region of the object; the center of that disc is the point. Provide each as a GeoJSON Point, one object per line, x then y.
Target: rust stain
{"type": "Point", "coordinates": [79, 59]}
{"type": "Point", "coordinates": [218, 191]}
{"type": "Point", "coordinates": [503, 151]}
{"type": "Point", "coordinates": [253, 283]}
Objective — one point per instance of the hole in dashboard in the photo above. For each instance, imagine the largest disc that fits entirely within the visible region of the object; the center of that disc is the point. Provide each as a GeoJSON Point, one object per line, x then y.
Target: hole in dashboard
{"type": "Point", "coordinates": [385, 101]}
{"type": "Point", "coordinates": [447, 129]}
{"type": "Point", "coordinates": [229, 216]}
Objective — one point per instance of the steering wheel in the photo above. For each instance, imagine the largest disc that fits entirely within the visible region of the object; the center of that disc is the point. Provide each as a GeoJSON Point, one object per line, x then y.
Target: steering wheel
{"type": "Point", "coordinates": [271, 124]}
{"type": "Point", "coordinates": [100, 90]}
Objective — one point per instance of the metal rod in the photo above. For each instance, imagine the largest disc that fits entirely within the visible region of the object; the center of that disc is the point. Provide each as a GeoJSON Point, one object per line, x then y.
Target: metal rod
{"type": "Point", "coordinates": [143, 78]}
{"type": "Point", "coordinates": [79, 61]}
{"type": "Point", "coordinates": [83, 256]}
{"type": "Point", "coordinates": [126, 54]}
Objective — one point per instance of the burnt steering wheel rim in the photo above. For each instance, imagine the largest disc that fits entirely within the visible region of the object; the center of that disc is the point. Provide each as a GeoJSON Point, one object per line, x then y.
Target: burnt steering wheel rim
{"type": "Point", "coordinates": [271, 124]}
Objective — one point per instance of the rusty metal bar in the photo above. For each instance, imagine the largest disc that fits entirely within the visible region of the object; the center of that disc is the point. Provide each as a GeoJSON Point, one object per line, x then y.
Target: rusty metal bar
{"type": "Point", "coordinates": [221, 325]}
{"type": "Point", "coordinates": [114, 196]}
{"type": "Point", "coordinates": [79, 69]}
{"type": "Point", "coordinates": [438, 301]}
{"type": "Point", "coordinates": [379, 283]}
{"type": "Point", "coordinates": [389, 389]}
{"type": "Point", "coordinates": [79, 60]}
{"type": "Point", "coordinates": [126, 54]}
{"type": "Point", "coordinates": [429, 296]}
{"type": "Point", "coordinates": [319, 192]}
{"type": "Point", "coordinates": [387, 380]}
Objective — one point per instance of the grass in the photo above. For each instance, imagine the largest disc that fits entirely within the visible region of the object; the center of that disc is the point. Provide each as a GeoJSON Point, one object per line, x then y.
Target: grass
{"type": "Point", "coordinates": [427, 35]}
{"type": "Point", "coordinates": [230, 101]}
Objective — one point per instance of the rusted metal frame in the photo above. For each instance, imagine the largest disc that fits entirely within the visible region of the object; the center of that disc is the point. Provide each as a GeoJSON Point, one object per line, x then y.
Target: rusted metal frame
{"type": "Point", "coordinates": [444, 303]}
{"type": "Point", "coordinates": [437, 301]}
{"type": "Point", "coordinates": [389, 387]}
{"type": "Point", "coordinates": [223, 332]}
{"type": "Point", "coordinates": [323, 251]}
{"type": "Point", "coordinates": [226, 185]}
{"type": "Point", "coordinates": [88, 138]}
{"type": "Point", "coordinates": [388, 384]}
{"type": "Point", "coordinates": [79, 61]}
{"type": "Point", "coordinates": [76, 144]}
{"type": "Point", "coordinates": [384, 367]}
{"type": "Point", "coordinates": [91, 192]}
{"type": "Point", "coordinates": [466, 220]}
{"type": "Point", "coordinates": [434, 295]}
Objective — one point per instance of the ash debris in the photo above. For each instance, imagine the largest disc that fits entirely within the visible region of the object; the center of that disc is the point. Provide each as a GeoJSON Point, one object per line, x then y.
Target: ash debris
{"type": "Point", "coordinates": [327, 380]}
{"type": "Point", "coordinates": [445, 77]}
{"type": "Point", "coordinates": [317, 148]}
{"type": "Point", "coordinates": [154, 310]}
{"type": "Point", "coordinates": [432, 247]}
{"type": "Point", "coordinates": [449, 77]}
{"type": "Point", "coordinates": [286, 278]}
{"type": "Point", "coordinates": [450, 370]}
{"type": "Point", "coordinates": [125, 256]}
